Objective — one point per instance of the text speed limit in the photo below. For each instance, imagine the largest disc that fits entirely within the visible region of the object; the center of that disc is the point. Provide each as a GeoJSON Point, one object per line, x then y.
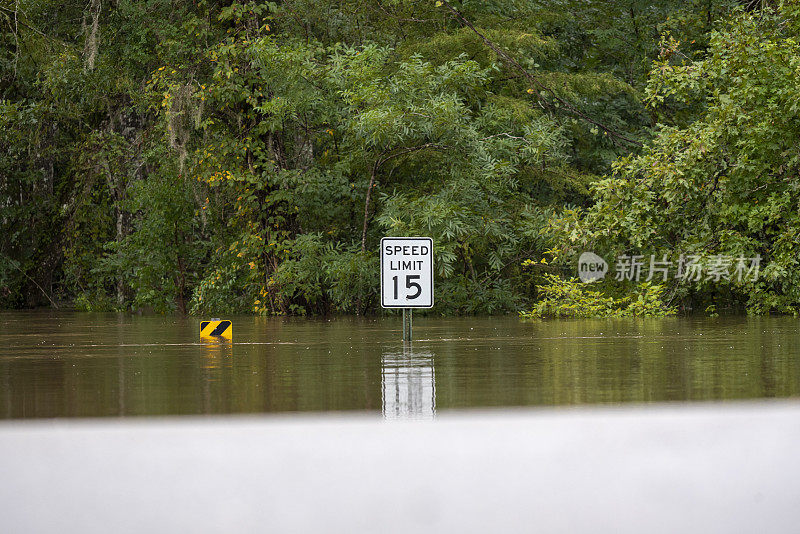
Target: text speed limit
{"type": "Point", "coordinates": [406, 272]}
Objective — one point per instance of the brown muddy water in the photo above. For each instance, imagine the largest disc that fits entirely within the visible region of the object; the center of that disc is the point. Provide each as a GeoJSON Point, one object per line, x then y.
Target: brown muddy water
{"type": "Point", "coordinates": [60, 364]}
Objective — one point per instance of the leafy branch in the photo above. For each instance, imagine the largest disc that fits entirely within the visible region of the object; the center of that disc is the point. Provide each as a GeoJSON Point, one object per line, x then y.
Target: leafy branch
{"type": "Point", "coordinates": [534, 81]}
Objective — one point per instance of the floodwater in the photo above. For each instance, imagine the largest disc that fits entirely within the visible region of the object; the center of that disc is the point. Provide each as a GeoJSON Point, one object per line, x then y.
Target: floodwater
{"type": "Point", "coordinates": [61, 364]}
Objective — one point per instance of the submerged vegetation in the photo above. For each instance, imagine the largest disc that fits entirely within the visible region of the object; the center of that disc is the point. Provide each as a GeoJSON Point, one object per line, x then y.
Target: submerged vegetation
{"type": "Point", "coordinates": [202, 156]}
{"type": "Point", "coordinates": [572, 298]}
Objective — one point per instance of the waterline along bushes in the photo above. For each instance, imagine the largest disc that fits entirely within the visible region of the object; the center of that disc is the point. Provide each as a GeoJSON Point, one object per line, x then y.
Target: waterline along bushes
{"type": "Point", "coordinates": [560, 297]}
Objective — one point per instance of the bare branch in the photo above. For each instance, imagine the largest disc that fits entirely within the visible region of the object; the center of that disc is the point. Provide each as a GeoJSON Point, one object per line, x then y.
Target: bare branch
{"type": "Point", "coordinates": [408, 150]}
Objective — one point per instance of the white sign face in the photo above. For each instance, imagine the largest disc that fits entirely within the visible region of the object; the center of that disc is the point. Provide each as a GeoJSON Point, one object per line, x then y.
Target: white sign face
{"type": "Point", "coordinates": [407, 272]}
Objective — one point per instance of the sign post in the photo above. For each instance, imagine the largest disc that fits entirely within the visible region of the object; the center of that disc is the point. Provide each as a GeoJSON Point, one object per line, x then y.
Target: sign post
{"type": "Point", "coordinates": [407, 276]}
{"type": "Point", "coordinates": [408, 319]}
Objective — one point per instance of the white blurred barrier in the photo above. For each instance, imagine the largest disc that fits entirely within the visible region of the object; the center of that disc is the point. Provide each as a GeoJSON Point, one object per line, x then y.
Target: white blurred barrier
{"type": "Point", "coordinates": [678, 468]}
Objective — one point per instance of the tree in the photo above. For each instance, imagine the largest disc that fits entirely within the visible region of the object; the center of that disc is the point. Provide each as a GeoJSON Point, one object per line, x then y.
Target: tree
{"type": "Point", "coordinates": [721, 175]}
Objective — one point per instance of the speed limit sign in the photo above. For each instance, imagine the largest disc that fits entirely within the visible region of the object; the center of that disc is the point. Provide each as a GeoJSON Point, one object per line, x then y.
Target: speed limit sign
{"type": "Point", "coordinates": [407, 272]}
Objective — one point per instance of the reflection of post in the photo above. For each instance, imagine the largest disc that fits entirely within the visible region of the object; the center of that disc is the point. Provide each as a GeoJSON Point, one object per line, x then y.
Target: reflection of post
{"type": "Point", "coordinates": [216, 357]}
{"type": "Point", "coordinates": [6, 372]}
{"type": "Point", "coordinates": [121, 355]}
{"type": "Point", "coordinates": [121, 385]}
{"type": "Point", "coordinates": [409, 384]}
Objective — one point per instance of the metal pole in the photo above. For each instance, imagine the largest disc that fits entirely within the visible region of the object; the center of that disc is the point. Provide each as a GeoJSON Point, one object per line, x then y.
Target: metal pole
{"type": "Point", "coordinates": [407, 323]}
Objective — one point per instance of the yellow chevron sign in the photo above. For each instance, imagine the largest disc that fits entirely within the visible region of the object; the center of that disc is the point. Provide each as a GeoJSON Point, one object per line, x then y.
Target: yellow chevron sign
{"type": "Point", "coordinates": [216, 329]}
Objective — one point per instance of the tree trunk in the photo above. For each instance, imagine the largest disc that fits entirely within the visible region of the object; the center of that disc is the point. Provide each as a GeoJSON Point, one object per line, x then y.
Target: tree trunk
{"type": "Point", "coordinates": [366, 208]}
{"type": "Point", "coordinates": [120, 285]}
{"type": "Point", "coordinates": [117, 193]}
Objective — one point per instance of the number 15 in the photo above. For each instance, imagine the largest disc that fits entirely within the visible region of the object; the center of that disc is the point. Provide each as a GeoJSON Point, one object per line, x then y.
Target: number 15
{"type": "Point", "coordinates": [409, 284]}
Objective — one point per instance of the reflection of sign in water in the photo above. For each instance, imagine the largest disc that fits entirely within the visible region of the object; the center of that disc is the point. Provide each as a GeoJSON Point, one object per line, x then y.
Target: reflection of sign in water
{"type": "Point", "coordinates": [409, 385]}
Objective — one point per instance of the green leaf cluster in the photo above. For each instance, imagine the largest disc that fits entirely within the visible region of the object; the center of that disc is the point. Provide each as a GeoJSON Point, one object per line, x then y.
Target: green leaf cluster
{"type": "Point", "coordinates": [560, 297]}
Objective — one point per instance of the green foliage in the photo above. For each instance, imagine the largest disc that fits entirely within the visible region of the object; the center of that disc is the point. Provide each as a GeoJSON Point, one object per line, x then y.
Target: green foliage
{"type": "Point", "coordinates": [560, 297]}
{"type": "Point", "coordinates": [157, 258]}
{"type": "Point", "coordinates": [217, 157]}
{"type": "Point", "coordinates": [222, 291]}
{"type": "Point", "coordinates": [353, 278]}
{"type": "Point", "coordinates": [721, 176]}
{"type": "Point", "coordinates": [315, 277]}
